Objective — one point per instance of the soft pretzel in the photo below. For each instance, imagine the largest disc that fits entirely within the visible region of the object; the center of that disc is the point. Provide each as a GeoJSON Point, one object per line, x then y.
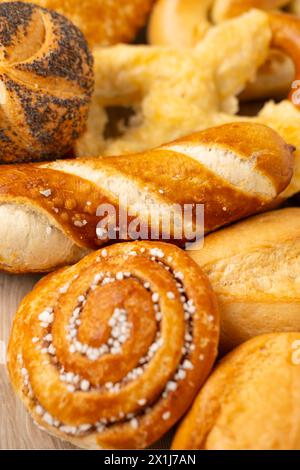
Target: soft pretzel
{"type": "Point", "coordinates": [48, 212]}
{"type": "Point", "coordinates": [183, 23]}
{"type": "Point", "coordinates": [110, 353]}
{"type": "Point", "coordinates": [250, 402]}
{"type": "Point", "coordinates": [103, 22]}
{"type": "Point", "coordinates": [46, 83]}
{"type": "Point", "coordinates": [254, 268]}
{"type": "Point", "coordinates": [193, 90]}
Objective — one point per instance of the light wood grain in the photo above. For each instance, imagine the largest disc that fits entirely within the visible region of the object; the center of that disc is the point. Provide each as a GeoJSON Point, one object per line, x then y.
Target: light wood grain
{"type": "Point", "coordinates": [17, 430]}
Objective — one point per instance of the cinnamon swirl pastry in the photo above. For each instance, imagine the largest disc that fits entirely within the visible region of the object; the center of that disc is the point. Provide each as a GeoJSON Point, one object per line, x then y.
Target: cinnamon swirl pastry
{"type": "Point", "coordinates": [46, 83]}
{"type": "Point", "coordinates": [111, 352]}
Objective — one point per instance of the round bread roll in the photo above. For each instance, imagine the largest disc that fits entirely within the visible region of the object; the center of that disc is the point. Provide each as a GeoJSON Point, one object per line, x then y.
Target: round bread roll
{"type": "Point", "coordinates": [251, 401]}
{"type": "Point", "coordinates": [103, 22]}
{"type": "Point", "coordinates": [254, 268]}
{"type": "Point", "coordinates": [46, 83]}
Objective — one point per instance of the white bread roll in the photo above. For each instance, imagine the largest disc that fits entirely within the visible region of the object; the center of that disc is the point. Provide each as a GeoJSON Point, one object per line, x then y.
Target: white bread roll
{"type": "Point", "coordinates": [254, 267]}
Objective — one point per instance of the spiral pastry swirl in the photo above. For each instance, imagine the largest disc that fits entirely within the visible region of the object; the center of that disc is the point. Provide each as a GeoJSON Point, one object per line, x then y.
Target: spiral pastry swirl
{"type": "Point", "coordinates": [111, 352]}
{"type": "Point", "coordinates": [46, 83]}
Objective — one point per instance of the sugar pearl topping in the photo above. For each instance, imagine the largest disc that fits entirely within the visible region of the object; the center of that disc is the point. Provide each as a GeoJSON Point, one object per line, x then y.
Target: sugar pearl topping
{"type": "Point", "coordinates": [120, 331]}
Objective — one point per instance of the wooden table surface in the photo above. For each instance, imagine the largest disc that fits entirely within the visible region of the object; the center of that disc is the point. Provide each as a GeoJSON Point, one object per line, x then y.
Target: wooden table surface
{"type": "Point", "coordinates": [17, 430]}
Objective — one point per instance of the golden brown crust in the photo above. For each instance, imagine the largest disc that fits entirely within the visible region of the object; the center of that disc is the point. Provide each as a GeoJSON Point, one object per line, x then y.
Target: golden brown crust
{"type": "Point", "coordinates": [103, 22]}
{"type": "Point", "coordinates": [225, 9]}
{"type": "Point", "coordinates": [184, 104]}
{"type": "Point", "coordinates": [46, 83]}
{"type": "Point", "coordinates": [286, 37]}
{"type": "Point", "coordinates": [184, 23]}
{"type": "Point", "coordinates": [254, 268]}
{"type": "Point", "coordinates": [250, 402]}
{"type": "Point", "coordinates": [249, 164]}
{"type": "Point", "coordinates": [88, 381]}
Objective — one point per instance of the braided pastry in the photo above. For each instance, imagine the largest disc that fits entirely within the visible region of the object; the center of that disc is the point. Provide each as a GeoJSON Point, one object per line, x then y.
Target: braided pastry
{"type": "Point", "coordinates": [119, 376]}
{"type": "Point", "coordinates": [250, 402]}
{"type": "Point", "coordinates": [193, 90]}
{"type": "Point", "coordinates": [254, 268]}
{"type": "Point", "coordinates": [49, 213]}
{"type": "Point", "coordinates": [46, 83]}
{"type": "Point", "coordinates": [103, 22]}
{"type": "Point", "coordinates": [184, 23]}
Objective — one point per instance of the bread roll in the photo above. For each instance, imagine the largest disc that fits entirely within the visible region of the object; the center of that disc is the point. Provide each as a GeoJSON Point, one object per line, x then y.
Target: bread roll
{"type": "Point", "coordinates": [103, 22]}
{"type": "Point", "coordinates": [251, 401]}
{"type": "Point", "coordinates": [254, 268]}
{"type": "Point", "coordinates": [46, 83]}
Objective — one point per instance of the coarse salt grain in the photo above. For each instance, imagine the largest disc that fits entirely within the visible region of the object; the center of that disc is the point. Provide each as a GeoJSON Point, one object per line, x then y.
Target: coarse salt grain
{"type": "Point", "coordinates": [48, 419]}
{"type": "Point", "coordinates": [39, 410]}
{"type": "Point", "coordinates": [46, 317]}
{"type": "Point", "coordinates": [171, 295]}
{"type": "Point", "coordinates": [51, 350]}
{"type": "Point", "coordinates": [179, 275]}
{"type": "Point", "coordinates": [157, 252]}
{"type": "Point", "coordinates": [171, 386]}
{"type": "Point", "coordinates": [134, 423]}
{"type": "Point", "coordinates": [64, 289]}
{"type": "Point", "coordinates": [46, 192]}
{"type": "Point", "coordinates": [188, 365]}
{"type": "Point", "coordinates": [181, 374]}
{"type": "Point", "coordinates": [132, 253]}
{"type": "Point", "coordinates": [166, 415]}
{"type": "Point", "coordinates": [85, 385]}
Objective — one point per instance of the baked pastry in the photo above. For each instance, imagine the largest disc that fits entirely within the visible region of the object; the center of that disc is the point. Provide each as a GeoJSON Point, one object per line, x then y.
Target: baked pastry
{"type": "Point", "coordinates": [224, 9]}
{"type": "Point", "coordinates": [295, 7]}
{"type": "Point", "coordinates": [254, 268]}
{"type": "Point", "coordinates": [250, 402]}
{"type": "Point", "coordinates": [103, 22]}
{"type": "Point", "coordinates": [52, 214]}
{"type": "Point", "coordinates": [46, 83]}
{"type": "Point", "coordinates": [186, 95]}
{"type": "Point", "coordinates": [182, 98]}
{"type": "Point", "coordinates": [184, 23]}
{"type": "Point", "coordinates": [111, 352]}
